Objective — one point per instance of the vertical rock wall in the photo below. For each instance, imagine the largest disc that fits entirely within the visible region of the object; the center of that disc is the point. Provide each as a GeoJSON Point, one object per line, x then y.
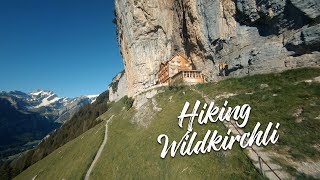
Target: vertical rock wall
{"type": "Point", "coordinates": [118, 87]}
{"type": "Point", "coordinates": [250, 36]}
{"type": "Point", "coordinates": [147, 36]}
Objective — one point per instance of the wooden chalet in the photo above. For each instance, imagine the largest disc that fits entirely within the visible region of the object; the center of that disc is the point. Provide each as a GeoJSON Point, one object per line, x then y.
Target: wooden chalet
{"type": "Point", "coordinates": [179, 69]}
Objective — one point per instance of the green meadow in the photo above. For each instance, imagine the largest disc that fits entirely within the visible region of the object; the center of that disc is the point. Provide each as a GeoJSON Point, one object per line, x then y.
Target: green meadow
{"type": "Point", "coordinates": [132, 150]}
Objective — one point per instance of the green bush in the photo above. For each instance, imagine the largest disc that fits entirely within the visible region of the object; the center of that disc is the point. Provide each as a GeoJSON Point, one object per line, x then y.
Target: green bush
{"type": "Point", "coordinates": [128, 101]}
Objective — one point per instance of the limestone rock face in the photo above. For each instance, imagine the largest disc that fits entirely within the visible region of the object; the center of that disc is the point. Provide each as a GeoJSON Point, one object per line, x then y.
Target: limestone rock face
{"type": "Point", "coordinates": [147, 34]}
{"type": "Point", "coordinates": [310, 7]}
{"type": "Point", "coordinates": [250, 36]}
{"type": "Point", "coordinates": [308, 37]}
{"type": "Point", "coordinates": [118, 87]}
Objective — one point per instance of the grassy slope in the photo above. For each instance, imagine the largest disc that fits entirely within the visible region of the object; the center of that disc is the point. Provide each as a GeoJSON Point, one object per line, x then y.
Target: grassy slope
{"type": "Point", "coordinates": [132, 152]}
{"type": "Point", "coordinates": [71, 160]}
{"type": "Point", "coordinates": [81, 122]}
{"type": "Point", "coordinates": [286, 94]}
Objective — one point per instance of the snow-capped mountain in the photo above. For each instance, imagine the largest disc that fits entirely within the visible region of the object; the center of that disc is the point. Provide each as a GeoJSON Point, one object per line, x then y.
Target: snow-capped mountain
{"type": "Point", "coordinates": [92, 97]}
{"type": "Point", "coordinates": [47, 103]}
{"type": "Point", "coordinates": [28, 117]}
{"type": "Point", "coordinates": [43, 98]}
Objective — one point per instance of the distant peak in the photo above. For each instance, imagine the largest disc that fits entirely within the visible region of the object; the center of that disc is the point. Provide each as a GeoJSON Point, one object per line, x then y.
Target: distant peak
{"type": "Point", "coordinates": [92, 98]}
{"type": "Point", "coordinates": [41, 92]}
{"type": "Point", "coordinates": [16, 92]}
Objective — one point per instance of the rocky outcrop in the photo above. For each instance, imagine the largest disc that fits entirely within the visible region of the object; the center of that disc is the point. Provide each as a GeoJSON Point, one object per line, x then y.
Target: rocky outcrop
{"type": "Point", "coordinates": [118, 87]}
{"type": "Point", "coordinates": [250, 36]}
{"type": "Point", "coordinates": [310, 7]}
{"type": "Point", "coordinates": [147, 36]}
{"type": "Point", "coordinates": [305, 41]}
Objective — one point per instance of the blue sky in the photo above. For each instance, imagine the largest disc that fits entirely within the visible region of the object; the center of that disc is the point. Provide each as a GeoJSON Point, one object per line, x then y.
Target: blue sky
{"type": "Point", "coordinates": [67, 46]}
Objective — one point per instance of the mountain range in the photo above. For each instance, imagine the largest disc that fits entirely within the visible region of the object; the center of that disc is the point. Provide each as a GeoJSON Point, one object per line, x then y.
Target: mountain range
{"type": "Point", "coordinates": [26, 118]}
{"type": "Point", "coordinates": [47, 103]}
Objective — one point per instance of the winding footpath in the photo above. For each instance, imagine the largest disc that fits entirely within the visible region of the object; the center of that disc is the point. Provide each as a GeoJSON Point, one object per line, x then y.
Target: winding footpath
{"type": "Point", "coordinates": [260, 158]}
{"type": "Point", "coordinates": [96, 158]}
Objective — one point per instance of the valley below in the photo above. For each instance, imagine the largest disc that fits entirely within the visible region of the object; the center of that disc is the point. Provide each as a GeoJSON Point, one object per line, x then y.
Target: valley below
{"type": "Point", "coordinates": [28, 118]}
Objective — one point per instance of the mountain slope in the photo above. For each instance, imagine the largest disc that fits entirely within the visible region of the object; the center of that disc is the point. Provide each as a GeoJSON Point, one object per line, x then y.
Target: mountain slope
{"type": "Point", "coordinates": [132, 150]}
{"type": "Point", "coordinates": [26, 118]}
{"type": "Point", "coordinates": [17, 128]}
{"type": "Point", "coordinates": [60, 109]}
{"type": "Point", "coordinates": [291, 98]}
{"type": "Point", "coordinates": [83, 120]}
{"type": "Point", "coordinates": [69, 161]}
{"type": "Point", "coordinates": [136, 132]}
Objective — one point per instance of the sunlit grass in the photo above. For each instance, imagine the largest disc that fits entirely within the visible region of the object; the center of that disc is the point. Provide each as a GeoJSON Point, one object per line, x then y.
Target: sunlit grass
{"type": "Point", "coordinates": [132, 152]}
{"type": "Point", "coordinates": [286, 94]}
{"type": "Point", "coordinates": [70, 161]}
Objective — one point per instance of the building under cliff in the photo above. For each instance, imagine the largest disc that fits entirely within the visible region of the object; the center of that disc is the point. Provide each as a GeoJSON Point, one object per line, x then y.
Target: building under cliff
{"type": "Point", "coordinates": [251, 37]}
{"type": "Point", "coordinates": [179, 69]}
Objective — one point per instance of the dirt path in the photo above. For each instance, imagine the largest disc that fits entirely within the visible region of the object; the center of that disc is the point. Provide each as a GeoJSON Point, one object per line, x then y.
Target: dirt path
{"type": "Point", "coordinates": [259, 157]}
{"type": "Point", "coordinates": [96, 158]}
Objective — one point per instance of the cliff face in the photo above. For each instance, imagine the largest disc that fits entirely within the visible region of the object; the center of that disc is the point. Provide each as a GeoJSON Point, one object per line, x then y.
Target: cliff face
{"type": "Point", "coordinates": [147, 34]}
{"type": "Point", "coordinates": [118, 87]}
{"type": "Point", "coordinates": [250, 36]}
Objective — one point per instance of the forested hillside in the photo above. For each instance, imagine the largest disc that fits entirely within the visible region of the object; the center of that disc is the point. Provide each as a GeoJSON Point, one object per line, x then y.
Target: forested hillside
{"type": "Point", "coordinates": [83, 120]}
